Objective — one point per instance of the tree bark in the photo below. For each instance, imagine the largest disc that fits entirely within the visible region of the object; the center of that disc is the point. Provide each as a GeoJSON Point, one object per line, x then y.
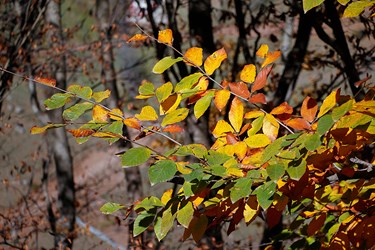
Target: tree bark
{"type": "Point", "coordinates": [57, 138]}
{"type": "Point", "coordinates": [293, 64]}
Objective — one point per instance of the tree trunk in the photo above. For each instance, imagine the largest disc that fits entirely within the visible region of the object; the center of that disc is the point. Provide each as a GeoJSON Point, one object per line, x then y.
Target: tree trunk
{"type": "Point", "coordinates": [57, 138]}
{"type": "Point", "coordinates": [293, 64]}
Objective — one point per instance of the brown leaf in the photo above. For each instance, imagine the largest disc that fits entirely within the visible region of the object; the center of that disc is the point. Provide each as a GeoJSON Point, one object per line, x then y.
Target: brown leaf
{"type": "Point", "coordinates": [231, 138]}
{"type": "Point", "coordinates": [258, 98]}
{"type": "Point", "coordinates": [309, 109]}
{"type": "Point", "coordinates": [240, 89]}
{"type": "Point", "coordinates": [261, 79]}
{"type": "Point", "coordinates": [316, 224]}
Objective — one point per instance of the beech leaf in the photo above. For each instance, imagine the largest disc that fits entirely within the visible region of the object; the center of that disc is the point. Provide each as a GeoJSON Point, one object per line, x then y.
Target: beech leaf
{"type": "Point", "coordinates": [248, 73]}
{"type": "Point", "coordinates": [214, 61]}
{"type": "Point", "coordinates": [175, 116]}
{"type": "Point", "coordinates": [195, 56]}
{"type": "Point", "coordinates": [135, 156]}
{"type": "Point", "coordinates": [165, 36]}
{"type": "Point", "coordinates": [221, 98]}
{"type": "Point", "coordinates": [236, 113]}
{"type": "Point", "coordinates": [261, 79]}
{"type": "Point", "coordinates": [165, 64]}
{"type": "Point", "coordinates": [240, 89]}
{"type": "Point", "coordinates": [148, 113]}
{"type": "Point", "coordinates": [309, 109]}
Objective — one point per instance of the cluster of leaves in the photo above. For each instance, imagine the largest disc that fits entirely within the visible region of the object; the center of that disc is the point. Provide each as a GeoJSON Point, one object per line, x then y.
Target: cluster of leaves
{"type": "Point", "coordinates": [285, 161]}
{"type": "Point", "coordinates": [352, 8]}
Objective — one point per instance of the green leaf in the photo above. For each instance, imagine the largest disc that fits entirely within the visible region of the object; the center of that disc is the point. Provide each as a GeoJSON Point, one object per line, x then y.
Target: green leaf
{"type": "Point", "coordinates": [149, 203]}
{"type": "Point", "coordinates": [57, 101]}
{"type": "Point", "coordinates": [272, 149]}
{"type": "Point", "coordinates": [312, 142]}
{"type": "Point", "coordinates": [165, 64]}
{"type": "Point", "coordinates": [187, 82]}
{"type": "Point", "coordinates": [135, 156]}
{"type": "Point", "coordinates": [185, 213]}
{"type": "Point", "coordinates": [167, 221]}
{"type": "Point", "coordinates": [175, 116]}
{"type": "Point", "coordinates": [101, 95]}
{"type": "Point", "coordinates": [164, 91]}
{"type": "Point", "coordinates": [324, 124]}
{"type": "Point", "coordinates": [256, 125]}
{"type": "Point", "coordinates": [75, 111]}
{"type": "Point", "coordinates": [296, 169]}
{"type": "Point", "coordinates": [309, 4]}
{"type": "Point", "coordinates": [116, 128]}
{"type": "Point", "coordinates": [340, 111]}
{"type": "Point", "coordinates": [110, 207]}
{"type": "Point", "coordinates": [343, 2]}
{"type": "Point", "coordinates": [216, 158]}
{"type": "Point", "coordinates": [203, 104]}
{"type": "Point", "coordinates": [275, 171]}
{"type": "Point", "coordinates": [265, 194]}
{"type": "Point", "coordinates": [146, 88]}
{"type": "Point", "coordinates": [354, 9]}
{"type": "Point", "coordinates": [162, 171]}
{"type": "Point", "coordinates": [84, 92]}
{"type": "Point", "coordinates": [142, 222]}
{"type": "Point", "coordinates": [241, 189]}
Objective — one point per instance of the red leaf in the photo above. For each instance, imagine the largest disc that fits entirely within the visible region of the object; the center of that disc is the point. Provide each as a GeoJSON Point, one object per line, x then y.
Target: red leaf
{"type": "Point", "coordinates": [258, 98]}
{"type": "Point", "coordinates": [261, 79]}
{"type": "Point", "coordinates": [273, 217]}
{"type": "Point", "coordinates": [316, 224]}
{"type": "Point", "coordinates": [240, 89]}
{"type": "Point", "coordinates": [299, 124]}
{"type": "Point", "coordinates": [309, 109]}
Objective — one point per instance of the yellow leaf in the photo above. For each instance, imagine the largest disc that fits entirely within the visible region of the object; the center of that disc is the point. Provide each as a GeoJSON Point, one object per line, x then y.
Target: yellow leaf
{"type": "Point", "coordinates": [248, 73]}
{"type": "Point", "coordinates": [194, 56]}
{"type": "Point", "coordinates": [253, 114]}
{"type": "Point", "coordinates": [137, 37]}
{"type": "Point", "coordinates": [170, 104]}
{"type": "Point", "coordinates": [271, 57]}
{"type": "Point", "coordinates": [262, 51]}
{"type": "Point", "coordinates": [221, 128]}
{"type": "Point", "coordinates": [221, 98]}
{"type": "Point", "coordinates": [99, 114]}
{"type": "Point", "coordinates": [214, 61]}
{"type": "Point", "coordinates": [220, 142]}
{"type": "Point", "coordinates": [329, 103]}
{"type": "Point", "coordinates": [236, 114]}
{"type": "Point", "coordinates": [116, 114]}
{"type": "Point", "coordinates": [166, 196]}
{"type": "Point", "coordinates": [132, 122]}
{"type": "Point", "coordinates": [241, 149]}
{"type": "Point", "coordinates": [202, 85]}
{"type": "Point", "coordinates": [235, 171]}
{"type": "Point", "coordinates": [257, 141]}
{"type": "Point", "coordinates": [148, 113]}
{"type": "Point", "coordinates": [181, 167]}
{"type": "Point", "coordinates": [251, 209]}
{"type": "Point", "coordinates": [165, 36]}
{"type": "Point", "coordinates": [254, 159]}
{"type": "Point", "coordinates": [270, 127]}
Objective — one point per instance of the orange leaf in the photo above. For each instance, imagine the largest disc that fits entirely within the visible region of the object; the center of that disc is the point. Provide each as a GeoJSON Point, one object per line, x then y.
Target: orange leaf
{"type": "Point", "coordinates": [165, 36]}
{"type": "Point", "coordinates": [262, 51]}
{"type": "Point", "coordinates": [99, 114]}
{"type": "Point", "coordinates": [46, 81]}
{"type": "Point", "coordinates": [81, 132]}
{"type": "Point", "coordinates": [221, 98]}
{"type": "Point", "coordinates": [132, 123]}
{"type": "Point", "coordinates": [261, 79]}
{"type": "Point", "coordinates": [258, 98]}
{"type": "Point", "coordinates": [214, 61]}
{"type": "Point", "coordinates": [240, 89]}
{"type": "Point", "coordinates": [195, 56]}
{"type": "Point", "coordinates": [299, 124]}
{"type": "Point", "coordinates": [248, 73]}
{"type": "Point", "coordinates": [309, 109]}
{"type": "Point", "coordinates": [283, 108]}
{"type": "Point", "coordinates": [271, 57]}
{"type": "Point", "coordinates": [236, 113]}
{"type": "Point", "coordinates": [137, 37]}
{"type": "Point", "coordinates": [173, 129]}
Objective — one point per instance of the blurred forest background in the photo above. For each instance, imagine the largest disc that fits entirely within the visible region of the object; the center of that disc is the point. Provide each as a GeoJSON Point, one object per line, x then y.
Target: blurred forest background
{"type": "Point", "coordinates": [52, 187]}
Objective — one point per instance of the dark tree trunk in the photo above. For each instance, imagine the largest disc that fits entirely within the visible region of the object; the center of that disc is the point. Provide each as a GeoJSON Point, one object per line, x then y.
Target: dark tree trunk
{"type": "Point", "coordinates": [293, 64]}
{"type": "Point", "coordinates": [57, 138]}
